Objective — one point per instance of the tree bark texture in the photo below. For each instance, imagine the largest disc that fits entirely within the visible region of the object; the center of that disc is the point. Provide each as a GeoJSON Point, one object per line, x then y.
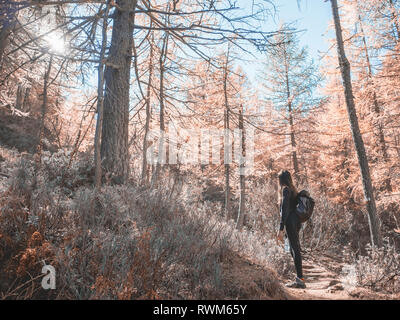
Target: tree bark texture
{"type": "Point", "coordinates": [114, 143]}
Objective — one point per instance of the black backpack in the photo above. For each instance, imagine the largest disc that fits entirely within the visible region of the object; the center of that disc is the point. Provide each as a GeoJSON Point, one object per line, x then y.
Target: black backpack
{"type": "Point", "coordinates": [305, 206]}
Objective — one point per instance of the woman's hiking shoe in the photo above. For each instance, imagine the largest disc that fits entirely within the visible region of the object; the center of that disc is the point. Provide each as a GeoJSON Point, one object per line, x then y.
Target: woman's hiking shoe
{"type": "Point", "coordinates": [298, 283]}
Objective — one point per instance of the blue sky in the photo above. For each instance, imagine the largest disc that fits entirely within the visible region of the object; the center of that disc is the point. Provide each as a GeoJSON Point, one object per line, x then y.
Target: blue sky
{"type": "Point", "coordinates": [313, 16]}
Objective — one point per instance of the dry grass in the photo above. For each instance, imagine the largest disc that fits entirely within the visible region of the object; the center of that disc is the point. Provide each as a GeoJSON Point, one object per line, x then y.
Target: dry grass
{"type": "Point", "coordinates": [125, 242]}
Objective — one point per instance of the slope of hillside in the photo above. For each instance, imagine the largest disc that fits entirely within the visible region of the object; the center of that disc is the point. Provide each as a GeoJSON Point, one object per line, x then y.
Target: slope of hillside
{"type": "Point", "coordinates": [126, 242]}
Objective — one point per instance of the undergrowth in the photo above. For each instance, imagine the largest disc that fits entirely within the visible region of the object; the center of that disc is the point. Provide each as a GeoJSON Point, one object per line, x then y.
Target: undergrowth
{"type": "Point", "coordinates": [123, 242]}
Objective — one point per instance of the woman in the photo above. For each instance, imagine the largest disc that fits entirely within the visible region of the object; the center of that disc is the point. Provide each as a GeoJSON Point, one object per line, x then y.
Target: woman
{"type": "Point", "coordinates": [291, 222]}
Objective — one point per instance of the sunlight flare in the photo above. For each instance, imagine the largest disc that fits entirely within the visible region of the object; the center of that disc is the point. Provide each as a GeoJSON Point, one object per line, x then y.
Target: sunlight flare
{"type": "Point", "coordinates": [56, 43]}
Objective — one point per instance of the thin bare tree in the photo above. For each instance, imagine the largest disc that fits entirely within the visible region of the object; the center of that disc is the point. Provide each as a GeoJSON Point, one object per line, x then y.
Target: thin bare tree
{"type": "Point", "coordinates": [100, 101]}
{"type": "Point", "coordinates": [374, 224]}
{"type": "Point", "coordinates": [242, 177]}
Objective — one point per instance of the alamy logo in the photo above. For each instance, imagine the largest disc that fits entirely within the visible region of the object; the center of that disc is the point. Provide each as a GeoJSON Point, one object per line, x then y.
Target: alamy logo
{"type": "Point", "coordinates": [202, 146]}
{"type": "Point", "coordinates": [49, 280]}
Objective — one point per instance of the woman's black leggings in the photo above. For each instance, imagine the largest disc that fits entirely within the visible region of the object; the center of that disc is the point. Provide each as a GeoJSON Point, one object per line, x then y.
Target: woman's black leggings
{"type": "Point", "coordinates": [293, 226]}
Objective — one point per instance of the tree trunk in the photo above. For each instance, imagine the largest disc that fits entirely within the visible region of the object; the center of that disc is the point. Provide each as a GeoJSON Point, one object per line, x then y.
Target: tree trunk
{"type": "Point", "coordinates": [161, 143]}
{"type": "Point", "coordinates": [4, 33]}
{"type": "Point", "coordinates": [19, 101]}
{"type": "Point", "coordinates": [397, 144]}
{"type": "Point", "coordinates": [291, 124]}
{"type": "Point", "coordinates": [25, 106]}
{"type": "Point", "coordinates": [148, 114]}
{"type": "Point", "coordinates": [227, 149]}
{"type": "Point", "coordinates": [44, 110]}
{"type": "Point", "coordinates": [242, 199]}
{"type": "Point", "coordinates": [293, 144]}
{"type": "Point", "coordinates": [100, 104]}
{"type": "Point", "coordinates": [344, 64]}
{"type": "Point", "coordinates": [114, 143]}
{"type": "Point", "coordinates": [227, 203]}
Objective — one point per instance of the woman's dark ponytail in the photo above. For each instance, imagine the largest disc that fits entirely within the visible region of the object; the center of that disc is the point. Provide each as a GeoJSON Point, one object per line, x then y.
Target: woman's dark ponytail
{"type": "Point", "coordinates": [285, 180]}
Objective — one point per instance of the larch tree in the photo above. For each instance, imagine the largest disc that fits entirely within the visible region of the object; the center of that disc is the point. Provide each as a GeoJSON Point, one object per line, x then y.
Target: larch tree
{"type": "Point", "coordinates": [344, 64]}
{"type": "Point", "coordinates": [100, 102]}
{"type": "Point", "coordinates": [114, 142]}
{"type": "Point", "coordinates": [227, 150]}
{"type": "Point", "coordinates": [242, 179]}
{"type": "Point", "coordinates": [290, 80]}
{"type": "Point", "coordinates": [145, 173]}
{"type": "Point", "coordinates": [365, 61]}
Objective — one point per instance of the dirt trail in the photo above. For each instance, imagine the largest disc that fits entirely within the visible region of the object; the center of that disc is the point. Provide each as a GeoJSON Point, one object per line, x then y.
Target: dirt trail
{"type": "Point", "coordinates": [323, 279]}
{"type": "Point", "coordinates": [322, 284]}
